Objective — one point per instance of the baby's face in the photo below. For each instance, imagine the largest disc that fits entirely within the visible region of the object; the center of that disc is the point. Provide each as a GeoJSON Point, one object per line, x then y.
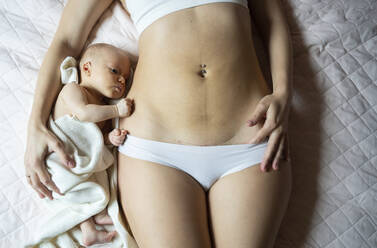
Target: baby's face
{"type": "Point", "coordinates": [110, 72]}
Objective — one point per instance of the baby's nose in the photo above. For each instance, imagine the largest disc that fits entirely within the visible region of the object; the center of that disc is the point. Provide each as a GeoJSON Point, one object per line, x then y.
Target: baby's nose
{"type": "Point", "coordinates": [121, 80]}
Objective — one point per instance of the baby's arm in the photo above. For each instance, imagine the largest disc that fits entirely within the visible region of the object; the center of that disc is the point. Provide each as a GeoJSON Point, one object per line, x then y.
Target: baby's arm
{"type": "Point", "coordinates": [106, 130]}
{"type": "Point", "coordinates": [77, 103]}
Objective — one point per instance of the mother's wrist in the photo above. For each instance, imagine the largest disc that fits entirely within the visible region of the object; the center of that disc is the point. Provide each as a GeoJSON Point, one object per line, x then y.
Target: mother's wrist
{"type": "Point", "coordinates": [285, 93]}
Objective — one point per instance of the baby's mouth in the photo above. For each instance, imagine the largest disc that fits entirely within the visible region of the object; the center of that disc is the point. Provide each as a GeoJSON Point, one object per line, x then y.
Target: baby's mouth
{"type": "Point", "coordinates": [118, 88]}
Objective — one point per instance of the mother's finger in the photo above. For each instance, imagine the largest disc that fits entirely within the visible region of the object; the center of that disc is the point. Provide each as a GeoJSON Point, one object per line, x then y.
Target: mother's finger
{"type": "Point", "coordinates": [287, 155]}
{"type": "Point", "coordinates": [272, 146]}
{"type": "Point", "coordinates": [45, 178]}
{"type": "Point", "coordinates": [267, 128]}
{"type": "Point", "coordinates": [29, 180]}
{"type": "Point", "coordinates": [279, 152]}
{"type": "Point", "coordinates": [57, 146]}
{"type": "Point", "coordinates": [258, 114]}
{"type": "Point", "coordinates": [39, 187]}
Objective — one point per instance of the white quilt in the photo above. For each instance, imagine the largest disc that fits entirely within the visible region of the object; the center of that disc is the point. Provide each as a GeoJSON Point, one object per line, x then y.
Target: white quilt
{"type": "Point", "coordinates": [333, 121]}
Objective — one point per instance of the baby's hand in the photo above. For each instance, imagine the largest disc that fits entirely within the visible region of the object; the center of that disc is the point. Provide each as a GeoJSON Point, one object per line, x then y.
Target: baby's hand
{"type": "Point", "coordinates": [117, 136]}
{"type": "Point", "coordinates": [124, 107]}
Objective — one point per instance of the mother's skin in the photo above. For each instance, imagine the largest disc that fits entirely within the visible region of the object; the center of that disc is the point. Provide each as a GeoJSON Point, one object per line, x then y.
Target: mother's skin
{"type": "Point", "coordinates": [173, 103]}
{"type": "Point", "coordinates": [166, 207]}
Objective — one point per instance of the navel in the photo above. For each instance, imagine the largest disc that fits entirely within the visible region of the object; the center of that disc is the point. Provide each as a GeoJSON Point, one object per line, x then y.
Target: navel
{"type": "Point", "coordinates": [203, 70]}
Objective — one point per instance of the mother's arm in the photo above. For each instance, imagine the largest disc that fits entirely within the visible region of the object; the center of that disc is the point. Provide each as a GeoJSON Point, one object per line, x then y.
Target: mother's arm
{"type": "Point", "coordinates": [273, 27]}
{"type": "Point", "coordinates": [76, 22]}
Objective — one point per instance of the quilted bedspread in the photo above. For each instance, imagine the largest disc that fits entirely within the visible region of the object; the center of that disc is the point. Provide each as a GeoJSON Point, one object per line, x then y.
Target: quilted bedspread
{"type": "Point", "coordinates": [333, 120]}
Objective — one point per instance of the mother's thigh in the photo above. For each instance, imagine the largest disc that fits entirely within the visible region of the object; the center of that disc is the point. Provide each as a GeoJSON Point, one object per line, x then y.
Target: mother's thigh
{"type": "Point", "coordinates": [164, 206]}
{"type": "Point", "coordinates": [247, 207]}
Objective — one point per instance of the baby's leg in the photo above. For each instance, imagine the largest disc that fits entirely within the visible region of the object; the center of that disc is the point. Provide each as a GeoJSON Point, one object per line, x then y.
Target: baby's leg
{"type": "Point", "coordinates": [102, 218]}
{"type": "Point", "coordinates": [90, 235]}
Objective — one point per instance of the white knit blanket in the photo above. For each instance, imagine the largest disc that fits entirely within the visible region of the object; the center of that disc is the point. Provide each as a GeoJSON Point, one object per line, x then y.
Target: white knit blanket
{"type": "Point", "coordinates": [88, 188]}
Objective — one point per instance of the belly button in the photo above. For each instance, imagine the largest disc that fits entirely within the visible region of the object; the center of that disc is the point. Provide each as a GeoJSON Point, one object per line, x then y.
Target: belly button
{"type": "Point", "coordinates": [203, 71]}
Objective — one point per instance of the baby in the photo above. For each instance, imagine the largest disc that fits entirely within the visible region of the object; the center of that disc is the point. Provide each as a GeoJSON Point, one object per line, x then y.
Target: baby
{"type": "Point", "coordinates": [103, 72]}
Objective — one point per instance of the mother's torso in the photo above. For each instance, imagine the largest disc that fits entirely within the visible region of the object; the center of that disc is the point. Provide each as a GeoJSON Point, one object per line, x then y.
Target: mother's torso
{"type": "Point", "coordinates": [173, 102]}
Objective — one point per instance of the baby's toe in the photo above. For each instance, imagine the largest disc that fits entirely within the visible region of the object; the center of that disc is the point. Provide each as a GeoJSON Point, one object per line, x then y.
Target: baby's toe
{"type": "Point", "coordinates": [104, 237]}
{"type": "Point", "coordinates": [110, 236]}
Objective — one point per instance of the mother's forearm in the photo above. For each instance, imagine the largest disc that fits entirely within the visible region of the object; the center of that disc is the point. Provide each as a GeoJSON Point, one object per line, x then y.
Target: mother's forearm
{"type": "Point", "coordinates": [273, 27]}
{"type": "Point", "coordinates": [48, 83]}
{"type": "Point", "coordinates": [280, 56]}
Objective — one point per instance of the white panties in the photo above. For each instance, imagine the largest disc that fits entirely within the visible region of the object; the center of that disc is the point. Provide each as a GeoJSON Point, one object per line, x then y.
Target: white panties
{"type": "Point", "coordinates": [206, 164]}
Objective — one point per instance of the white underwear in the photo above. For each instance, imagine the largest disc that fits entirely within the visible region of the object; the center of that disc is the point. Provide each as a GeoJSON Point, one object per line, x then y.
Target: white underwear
{"type": "Point", "coordinates": [206, 164]}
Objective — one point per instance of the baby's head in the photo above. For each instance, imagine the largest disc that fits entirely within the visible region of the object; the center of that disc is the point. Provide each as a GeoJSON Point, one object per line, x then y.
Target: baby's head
{"type": "Point", "coordinates": [105, 69]}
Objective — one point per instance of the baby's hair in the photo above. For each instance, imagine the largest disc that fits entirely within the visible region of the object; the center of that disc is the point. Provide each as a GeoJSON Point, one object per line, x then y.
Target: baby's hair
{"type": "Point", "coordinates": [94, 50]}
{"type": "Point", "coordinates": [89, 53]}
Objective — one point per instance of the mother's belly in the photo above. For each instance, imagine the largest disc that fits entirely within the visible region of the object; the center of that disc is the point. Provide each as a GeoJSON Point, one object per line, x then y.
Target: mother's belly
{"type": "Point", "coordinates": [173, 103]}
{"type": "Point", "coordinates": [184, 108]}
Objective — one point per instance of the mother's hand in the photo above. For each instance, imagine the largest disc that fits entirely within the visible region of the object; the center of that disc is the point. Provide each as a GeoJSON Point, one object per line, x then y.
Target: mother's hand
{"type": "Point", "coordinates": [40, 142]}
{"type": "Point", "coordinates": [275, 108]}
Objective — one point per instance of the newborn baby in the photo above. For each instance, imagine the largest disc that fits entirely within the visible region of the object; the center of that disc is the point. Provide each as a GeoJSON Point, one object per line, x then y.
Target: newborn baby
{"type": "Point", "coordinates": [103, 71]}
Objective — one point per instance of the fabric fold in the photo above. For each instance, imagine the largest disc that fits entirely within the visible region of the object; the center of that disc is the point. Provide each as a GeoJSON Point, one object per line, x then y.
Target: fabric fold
{"type": "Point", "coordinates": [88, 188]}
{"type": "Point", "coordinates": [68, 70]}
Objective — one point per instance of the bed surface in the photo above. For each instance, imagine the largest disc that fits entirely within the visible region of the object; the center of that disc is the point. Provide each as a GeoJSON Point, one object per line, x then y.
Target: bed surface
{"type": "Point", "coordinates": [333, 120]}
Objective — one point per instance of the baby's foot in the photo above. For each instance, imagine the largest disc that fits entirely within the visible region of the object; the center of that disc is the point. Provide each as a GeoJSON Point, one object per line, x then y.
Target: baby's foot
{"type": "Point", "coordinates": [103, 218]}
{"type": "Point", "coordinates": [97, 237]}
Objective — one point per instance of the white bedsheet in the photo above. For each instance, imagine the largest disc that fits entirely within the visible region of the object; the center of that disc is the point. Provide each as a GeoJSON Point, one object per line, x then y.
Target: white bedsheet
{"type": "Point", "coordinates": [333, 120]}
